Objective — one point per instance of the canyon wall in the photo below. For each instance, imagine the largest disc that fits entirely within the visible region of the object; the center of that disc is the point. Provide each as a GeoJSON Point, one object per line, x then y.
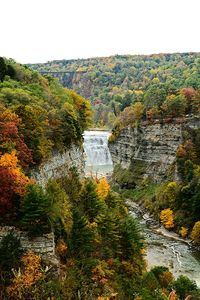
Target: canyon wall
{"type": "Point", "coordinates": [59, 164]}
{"type": "Point", "coordinates": [42, 245]}
{"type": "Point", "coordinates": [149, 151]}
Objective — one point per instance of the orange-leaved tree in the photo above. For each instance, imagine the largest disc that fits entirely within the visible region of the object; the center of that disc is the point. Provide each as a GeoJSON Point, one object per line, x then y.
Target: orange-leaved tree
{"type": "Point", "coordinates": [12, 179]}
{"type": "Point", "coordinates": [10, 137]}
{"type": "Point", "coordinates": [26, 278]}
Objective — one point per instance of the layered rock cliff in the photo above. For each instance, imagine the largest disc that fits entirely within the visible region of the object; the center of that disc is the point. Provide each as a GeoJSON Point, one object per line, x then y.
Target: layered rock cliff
{"type": "Point", "coordinates": [149, 151]}
{"type": "Point", "coordinates": [44, 244]}
{"type": "Point", "coordinates": [59, 164]}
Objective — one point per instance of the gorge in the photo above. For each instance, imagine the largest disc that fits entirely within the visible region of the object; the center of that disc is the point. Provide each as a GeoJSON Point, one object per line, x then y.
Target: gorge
{"type": "Point", "coordinates": [163, 247]}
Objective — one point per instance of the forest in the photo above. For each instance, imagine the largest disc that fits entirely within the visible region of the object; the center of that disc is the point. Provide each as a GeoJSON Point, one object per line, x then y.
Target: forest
{"type": "Point", "coordinates": [99, 245]}
{"type": "Point", "coordinates": [116, 82]}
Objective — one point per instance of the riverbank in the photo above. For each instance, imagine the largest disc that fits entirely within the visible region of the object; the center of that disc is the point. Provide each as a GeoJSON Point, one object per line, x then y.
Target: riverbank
{"type": "Point", "coordinates": [166, 248]}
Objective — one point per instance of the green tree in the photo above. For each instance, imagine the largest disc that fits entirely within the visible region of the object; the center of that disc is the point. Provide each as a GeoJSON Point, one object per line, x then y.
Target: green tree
{"type": "Point", "coordinates": [35, 211]}
{"type": "Point", "coordinates": [60, 205]}
{"type": "Point", "coordinates": [3, 68]}
{"type": "Point", "coordinates": [81, 239]}
{"type": "Point", "coordinates": [184, 286]}
{"type": "Point", "coordinates": [90, 203]}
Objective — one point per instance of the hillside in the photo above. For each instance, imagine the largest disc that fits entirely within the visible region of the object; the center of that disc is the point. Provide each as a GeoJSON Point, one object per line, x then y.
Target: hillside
{"type": "Point", "coordinates": [97, 248]}
{"type": "Point", "coordinates": [113, 83]}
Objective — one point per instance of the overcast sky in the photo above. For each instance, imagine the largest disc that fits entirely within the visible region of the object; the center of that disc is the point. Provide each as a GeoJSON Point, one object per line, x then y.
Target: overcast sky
{"type": "Point", "coordinates": [41, 30]}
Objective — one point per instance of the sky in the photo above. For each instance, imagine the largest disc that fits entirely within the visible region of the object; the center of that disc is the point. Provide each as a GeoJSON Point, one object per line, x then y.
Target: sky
{"type": "Point", "coordinates": [35, 31]}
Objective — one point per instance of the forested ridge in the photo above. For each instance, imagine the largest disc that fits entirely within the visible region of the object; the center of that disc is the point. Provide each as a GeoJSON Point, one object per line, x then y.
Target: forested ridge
{"type": "Point", "coordinates": [113, 83]}
{"type": "Point", "coordinates": [99, 245]}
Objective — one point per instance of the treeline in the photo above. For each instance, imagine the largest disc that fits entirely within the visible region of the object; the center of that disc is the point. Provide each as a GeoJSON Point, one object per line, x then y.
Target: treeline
{"type": "Point", "coordinates": [119, 81]}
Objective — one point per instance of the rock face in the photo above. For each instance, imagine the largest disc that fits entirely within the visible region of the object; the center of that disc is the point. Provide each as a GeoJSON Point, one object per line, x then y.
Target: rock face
{"type": "Point", "coordinates": [42, 245]}
{"type": "Point", "coordinates": [59, 164]}
{"type": "Point", "coordinates": [152, 145]}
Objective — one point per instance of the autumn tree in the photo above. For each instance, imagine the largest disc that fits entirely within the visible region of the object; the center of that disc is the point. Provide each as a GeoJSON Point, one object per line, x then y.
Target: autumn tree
{"type": "Point", "coordinates": [174, 105]}
{"type": "Point", "coordinates": [131, 115]}
{"type": "Point", "coordinates": [195, 235]}
{"type": "Point", "coordinates": [183, 232]}
{"type": "Point", "coordinates": [11, 139]}
{"type": "Point", "coordinates": [167, 218]}
{"type": "Point", "coordinates": [103, 188]}
{"type": "Point", "coordinates": [191, 95]}
{"type": "Point", "coordinates": [153, 112]}
{"type": "Point", "coordinates": [30, 274]}
{"type": "Point", "coordinates": [13, 181]}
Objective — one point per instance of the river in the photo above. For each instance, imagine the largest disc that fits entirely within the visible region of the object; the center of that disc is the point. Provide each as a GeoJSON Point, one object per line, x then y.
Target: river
{"type": "Point", "coordinates": [163, 247]}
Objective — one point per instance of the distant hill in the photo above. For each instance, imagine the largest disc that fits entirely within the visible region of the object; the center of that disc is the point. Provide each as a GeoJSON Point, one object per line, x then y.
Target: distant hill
{"type": "Point", "coordinates": [113, 83]}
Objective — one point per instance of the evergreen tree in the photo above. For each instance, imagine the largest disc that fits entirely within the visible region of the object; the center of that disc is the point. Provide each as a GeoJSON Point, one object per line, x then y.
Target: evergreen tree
{"type": "Point", "coordinates": [81, 241]}
{"type": "Point", "coordinates": [35, 211]}
{"type": "Point", "coordinates": [90, 202]}
{"type": "Point", "coordinates": [3, 68]}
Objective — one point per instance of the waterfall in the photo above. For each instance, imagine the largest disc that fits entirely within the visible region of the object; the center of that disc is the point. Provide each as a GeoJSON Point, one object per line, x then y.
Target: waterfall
{"type": "Point", "coordinates": [97, 153]}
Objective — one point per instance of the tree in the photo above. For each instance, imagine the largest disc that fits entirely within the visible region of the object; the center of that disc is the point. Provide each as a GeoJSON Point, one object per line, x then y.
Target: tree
{"type": "Point", "coordinates": [60, 205]}
{"type": "Point", "coordinates": [10, 252]}
{"type": "Point", "coordinates": [23, 281]}
{"type": "Point", "coordinates": [183, 232]}
{"type": "Point", "coordinates": [131, 115]}
{"type": "Point", "coordinates": [167, 219]}
{"type": "Point", "coordinates": [3, 68]}
{"type": "Point", "coordinates": [184, 286]}
{"type": "Point", "coordinates": [35, 211]}
{"type": "Point", "coordinates": [132, 239]}
{"type": "Point", "coordinates": [91, 204]}
{"type": "Point", "coordinates": [103, 188]}
{"type": "Point", "coordinates": [13, 181]}
{"type": "Point", "coordinates": [174, 106]}
{"type": "Point", "coordinates": [11, 139]}
{"type": "Point", "coordinates": [195, 235]}
{"type": "Point", "coordinates": [81, 239]}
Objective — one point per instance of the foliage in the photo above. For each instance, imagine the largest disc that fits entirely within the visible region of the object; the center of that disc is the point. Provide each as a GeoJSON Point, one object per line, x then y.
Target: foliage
{"type": "Point", "coordinates": [13, 182]}
{"type": "Point", "coordinates": [47, 116]}
{"type": "Point", "coordinates": [10, 138]}
{"type": "Point", "coordinates": [167, 84]}
{"type": "Point", "coordinates": [26, 278]}
{"type": "Point", "coordinates": [195, 235]}
{"type": "Point", "coordinates": [10, 252]}
{"type": "Point", "coordinates": [60, 205]}
{"type": "Point", "coordinates": [184, 286]}
{"type": "Point", "coordinates": [183, 232]}
{"type": "Point", "coordinates": [35, 211]}
{"type": "Point", "coordinates": [167, 219]}
{"type": "Point", "coordinates": [103, 187]}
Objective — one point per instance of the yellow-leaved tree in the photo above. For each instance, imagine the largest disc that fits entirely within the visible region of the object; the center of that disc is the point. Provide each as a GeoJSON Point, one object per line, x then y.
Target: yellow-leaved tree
{"type": "Point", "coordinates": [196, 233]}
{"type": "Point", "coordinates": [167, 218]}
{"type": "Point", "coordinates": [183, 232]}
{"type": "Point", "coordinates": [103, 188]}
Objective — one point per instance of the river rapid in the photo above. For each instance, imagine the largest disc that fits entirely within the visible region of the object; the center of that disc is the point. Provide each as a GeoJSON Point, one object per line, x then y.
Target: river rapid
{"type": "Point", "coordinates": [163, 247]}
{"type": "Point", "coordinates": [167, 248]}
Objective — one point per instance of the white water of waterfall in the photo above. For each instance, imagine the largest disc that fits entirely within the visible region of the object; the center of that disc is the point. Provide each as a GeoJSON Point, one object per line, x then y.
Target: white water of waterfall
{"type": "Point", "coordinates": [98, 158]}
